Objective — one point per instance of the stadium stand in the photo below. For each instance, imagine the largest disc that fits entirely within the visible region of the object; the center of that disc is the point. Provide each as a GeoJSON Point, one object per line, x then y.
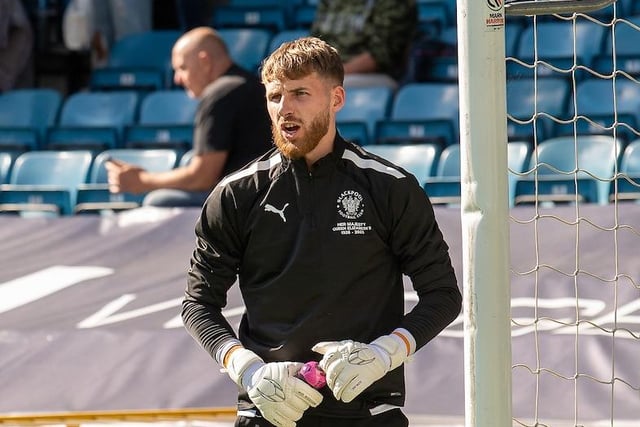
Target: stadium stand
{"type": "Point", "coordinates": [421, 113]}
{"type": "Point", "coordinates": [94, 196]}
{"type": "Point", "coordinates": [556, 171]}
{"type": "Point", "coordinates": [45, 182]}
{"type": "Point", "coordinates": [139, 61]}
{"type": "Point", "coordinates": [25, 115]}
{"type": "Point", "coordinates": [627, 42]}
{"type": "Point", "coordinates": [6, 162]}
{"type": "Point", "coordinates": [272, 17]}
{"type": "Point", "coordinates": [286, 35]}
{"type": "Point", "coordinates": [444, 187]}
{"type": "Point", "coordinates": [94, 120]}
{"type": "Point", "coordinates": [518, 153]}
{"type": "Point", "coordinates": [165, 121]}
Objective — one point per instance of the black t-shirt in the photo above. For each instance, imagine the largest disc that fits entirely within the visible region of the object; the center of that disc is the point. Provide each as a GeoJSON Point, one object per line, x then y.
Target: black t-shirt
{"type": "Point", "coordinates": [232, 116]}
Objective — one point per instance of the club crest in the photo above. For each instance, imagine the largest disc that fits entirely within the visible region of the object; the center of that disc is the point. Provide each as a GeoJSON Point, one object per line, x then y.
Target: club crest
{"type": "Point", "coordinates": [350, 204]}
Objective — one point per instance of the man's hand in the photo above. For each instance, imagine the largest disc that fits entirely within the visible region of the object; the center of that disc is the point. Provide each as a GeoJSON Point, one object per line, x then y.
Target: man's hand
{"type": "Point", "coordinates": [124, 177]}
{"type": "Point", "coordinates": [273, 387]}
{"type": "Point", "coordinates": [350, 367]}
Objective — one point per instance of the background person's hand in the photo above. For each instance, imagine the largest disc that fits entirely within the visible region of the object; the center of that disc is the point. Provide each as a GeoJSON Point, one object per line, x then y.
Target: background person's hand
{"type": "Point", "coordinates": [124, 177]}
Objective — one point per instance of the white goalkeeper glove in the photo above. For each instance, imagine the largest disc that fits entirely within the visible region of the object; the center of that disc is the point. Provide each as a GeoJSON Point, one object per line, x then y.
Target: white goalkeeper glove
{"type": "Point", "coordinates": [350, 367]}
{"type": "Point", "coordinates": [272, 387]}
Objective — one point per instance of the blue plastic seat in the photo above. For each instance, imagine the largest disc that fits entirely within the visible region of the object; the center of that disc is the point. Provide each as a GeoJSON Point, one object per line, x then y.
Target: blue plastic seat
{"type": "Point", "coordinates": [139, 61]}
{"type": "Point", "coordinates": [597, 111]}
{"type": "Point", "coordinates": [270, 17]}
{"type": "Point", "coordinates": [422, 113]}
{"type": "Point", "coordinates": [568, 169]}
{"type": "Point", "coordinates": [165, 121]}
{"type": "Point", "coordinates": [94, 120]}
{"type": "Point", "coordinates": [532, 106]}
{"type": "Point", "coordinates": [627, 185]}
{"type": "Point", "coordinates": [247, 46]}
{"type": "Point", "coordinates": [185, 158]}
{"type": "Point", "coordinates": [25, 115]}
{"type": "Point", "coordinates": [364, 106]}
{"type": "Point", "coordinates": [94, 196]}
{"type": "Point", "coordinates": [555, 46]}
{"type": "Point", "coordinates": [444, 187]}
{"type": "Point", "coordinates": [6, 162]}
{"type": "Point", "coordinates": [285, 36]}
{"type": "Point", "coordinates": [433, 16]}
{"type": "Point", "coordinates": [627, 54]}
{"type": "Point", "coordinates": [45, 182]}
{"type": "Point", "coordinates": [304, 15]}
{"type": "Point", "coordinates": [417, 159]}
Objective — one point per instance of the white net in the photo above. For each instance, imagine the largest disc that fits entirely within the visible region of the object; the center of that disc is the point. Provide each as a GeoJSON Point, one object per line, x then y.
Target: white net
{"type": "Point", "coordinates": [576, 286]}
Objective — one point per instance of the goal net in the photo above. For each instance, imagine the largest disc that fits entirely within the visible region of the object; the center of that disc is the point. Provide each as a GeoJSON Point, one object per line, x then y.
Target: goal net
{"type": "Point", "coordinates": [551, 335]}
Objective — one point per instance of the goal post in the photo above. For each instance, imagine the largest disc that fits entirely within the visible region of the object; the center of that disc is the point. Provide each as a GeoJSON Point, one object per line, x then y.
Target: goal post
{"type": "Point", "coordinates": [485, 211]}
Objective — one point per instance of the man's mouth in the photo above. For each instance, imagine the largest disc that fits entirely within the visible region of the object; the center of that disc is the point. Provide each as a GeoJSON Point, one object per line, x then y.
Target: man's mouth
{"type": "Point", "coordinates": [289, 129]}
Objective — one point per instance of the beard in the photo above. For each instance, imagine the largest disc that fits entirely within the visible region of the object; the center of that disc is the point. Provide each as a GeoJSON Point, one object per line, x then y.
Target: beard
{"type": "Point", "coordinates": [300, 146]}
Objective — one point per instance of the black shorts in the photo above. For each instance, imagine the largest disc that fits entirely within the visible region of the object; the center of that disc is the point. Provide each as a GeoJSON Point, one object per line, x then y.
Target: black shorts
{"type": "Point", "coordinates": [392, 418]}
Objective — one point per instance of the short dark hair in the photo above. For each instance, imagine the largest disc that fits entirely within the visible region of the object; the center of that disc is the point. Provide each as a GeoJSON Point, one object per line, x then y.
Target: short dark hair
{"type": "Point", "coordinates": [299, 58]}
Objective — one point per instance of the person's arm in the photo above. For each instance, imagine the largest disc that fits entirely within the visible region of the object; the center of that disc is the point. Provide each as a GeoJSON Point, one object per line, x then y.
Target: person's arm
{"type": "Point", "coordinates": [361, 63]}
{"type": "Point", "coordinates": [201, 174]}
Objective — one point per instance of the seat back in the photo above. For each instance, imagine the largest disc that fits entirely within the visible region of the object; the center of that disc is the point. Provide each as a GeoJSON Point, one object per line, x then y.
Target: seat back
{"type": "Point", "coordinates": [6, 161]}
{"type": "Point", "coordinates": [449, 162]}
{"type": "Point", "coordinates": [247, 46]}
{"type": "Point", "coordinates": [153, 160]}
{"type": "Point", "coordinates": [366, 104]}
{"type": "Point", "coordinates": [65, 169]}
{"type": "Point", "coordinates": [99, 109]}
{"type": "Point", "coordinates": [630, 160]}
{"type": "Point", "coordinates": [167, 107]}
{"type": "Point", "coordinates": [31, 110]}
{"type": "Point", "coordinates": [517, 158]}
{"type": "Point", "coordinates": [417, 159]}
{"type": "Point", "coordinates": [285, 36]}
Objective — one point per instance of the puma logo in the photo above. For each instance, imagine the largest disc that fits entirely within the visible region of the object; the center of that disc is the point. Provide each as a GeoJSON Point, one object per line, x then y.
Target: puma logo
{"type": "Point", "coordinates": [271, 208]}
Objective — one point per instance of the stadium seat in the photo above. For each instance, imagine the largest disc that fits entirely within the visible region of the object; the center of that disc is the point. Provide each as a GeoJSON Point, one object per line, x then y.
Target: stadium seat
{"type": "Point", "coordinates": [417, 159]}
{"type": "Point", "coordinates": [247, 46]}
{"type": "Point", "coordinates": [517, 158]}
{"type": "Point", "coordinates": [364, 106]}
{"type": "Point", "coordinates": [139, 61]}
{"type": "Point", "coordinates": [285, 36]}
{"type": "Point", "coordinates": [627, 42]}
{"type": "Point", "coordinates": [6, 162]}
{"type": "Point", "coordinates": [532, 106]}
{"type": "Point", "coordinates": [165, 121]}
{"type": "Point", "coordinates": [627, 185]}
{"type": "Point", "coordinates": [94, 120]}
{"type": "Point", "coordinates": [597, 111]}
{"type": "Point", "coordinates": [558, 164]}
{"type": "Point", "coordinates": [94, 196]}
{"type": "Point", "coordinates": [185, 159]}
{"type": "Point", "coordinates": [304, 15]}
{"type": "Point", "coordinates": [433, 16]}
{"type": "Point", "coordinates": [272, 17]}
{"type": "Point", "coordinates": [555, 47]}
{"type": "Point", "coordinates": [444, 187]}
{"type": "Point", "coordinates": [422, 113]}
{"type": "Point", "coordinates": [25, 115]}
{"type": "Point", "coordinates": [45, 182]}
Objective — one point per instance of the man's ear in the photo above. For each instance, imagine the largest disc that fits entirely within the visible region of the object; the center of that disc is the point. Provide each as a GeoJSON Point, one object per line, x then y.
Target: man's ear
{"type": "Point", "coordinates": [338, 95]}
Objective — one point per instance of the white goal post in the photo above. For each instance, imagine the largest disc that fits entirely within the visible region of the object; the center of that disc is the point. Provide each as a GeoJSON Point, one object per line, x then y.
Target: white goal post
{"type": "Point", "coordinates": [484, 200]}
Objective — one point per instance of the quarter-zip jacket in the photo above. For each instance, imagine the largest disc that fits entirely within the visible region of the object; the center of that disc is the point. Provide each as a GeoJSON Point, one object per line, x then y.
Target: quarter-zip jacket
{"type": "Point", "coordinates": [319, 255]}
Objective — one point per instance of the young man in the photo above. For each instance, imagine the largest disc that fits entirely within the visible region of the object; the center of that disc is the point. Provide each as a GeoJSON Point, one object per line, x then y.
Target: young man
{"type": "Point", "coordinates": [231, 125]}
{"type": "Point", "coordinates": [319, 233]}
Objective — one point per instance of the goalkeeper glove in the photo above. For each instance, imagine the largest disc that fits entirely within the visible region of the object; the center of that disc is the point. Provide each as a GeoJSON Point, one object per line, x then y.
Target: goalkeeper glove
{"type": "Point", "coordinates": [350, 367]}
{"type": "Point", "coordinates": [272, 387]}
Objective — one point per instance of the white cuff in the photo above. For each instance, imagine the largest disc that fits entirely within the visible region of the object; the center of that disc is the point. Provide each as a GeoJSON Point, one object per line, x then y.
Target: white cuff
{"type": "Point", "coordinates": [240, 361]}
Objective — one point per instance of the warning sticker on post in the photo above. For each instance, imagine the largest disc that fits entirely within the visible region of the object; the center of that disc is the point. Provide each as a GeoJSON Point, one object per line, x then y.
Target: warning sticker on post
{"type": "Point", "coordinates": [495, 14]}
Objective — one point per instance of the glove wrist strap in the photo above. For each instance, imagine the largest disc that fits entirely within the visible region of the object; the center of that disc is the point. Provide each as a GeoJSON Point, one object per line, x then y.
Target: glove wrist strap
{"type": "Point", "coordinates": [242, 361]}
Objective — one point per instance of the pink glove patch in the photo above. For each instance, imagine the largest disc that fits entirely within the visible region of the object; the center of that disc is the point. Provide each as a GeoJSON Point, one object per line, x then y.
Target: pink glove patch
{"type": "Point", "coordinates": [312, 375]}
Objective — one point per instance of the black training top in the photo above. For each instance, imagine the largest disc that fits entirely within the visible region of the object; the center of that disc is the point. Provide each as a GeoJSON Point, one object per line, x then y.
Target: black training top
{"type": "Point", "coordinates": [319, 255]}
{"type": "Point", "coordinates": [232, 115]}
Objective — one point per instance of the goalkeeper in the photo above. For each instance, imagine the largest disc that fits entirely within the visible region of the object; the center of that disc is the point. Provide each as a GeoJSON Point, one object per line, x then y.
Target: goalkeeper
{"type": "Point", "coordinates": [318, 233]}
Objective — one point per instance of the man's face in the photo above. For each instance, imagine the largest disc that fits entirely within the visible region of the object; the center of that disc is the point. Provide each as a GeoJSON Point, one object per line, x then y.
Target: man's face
{"type": "Point", "coordinates": [301, 113]}
{"type": "Point", "coordinates": [190, 70]}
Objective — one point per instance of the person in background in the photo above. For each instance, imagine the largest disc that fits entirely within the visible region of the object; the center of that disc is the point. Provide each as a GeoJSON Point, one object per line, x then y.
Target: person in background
{"type": "Point", "coordinates": [372, 36]}
{"type": "Point", "coordinates": [16, 44]}
{"type": "Point", "coordinates": [318, 234]}
{"type": "Point", "coordinates": [231, 126]}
